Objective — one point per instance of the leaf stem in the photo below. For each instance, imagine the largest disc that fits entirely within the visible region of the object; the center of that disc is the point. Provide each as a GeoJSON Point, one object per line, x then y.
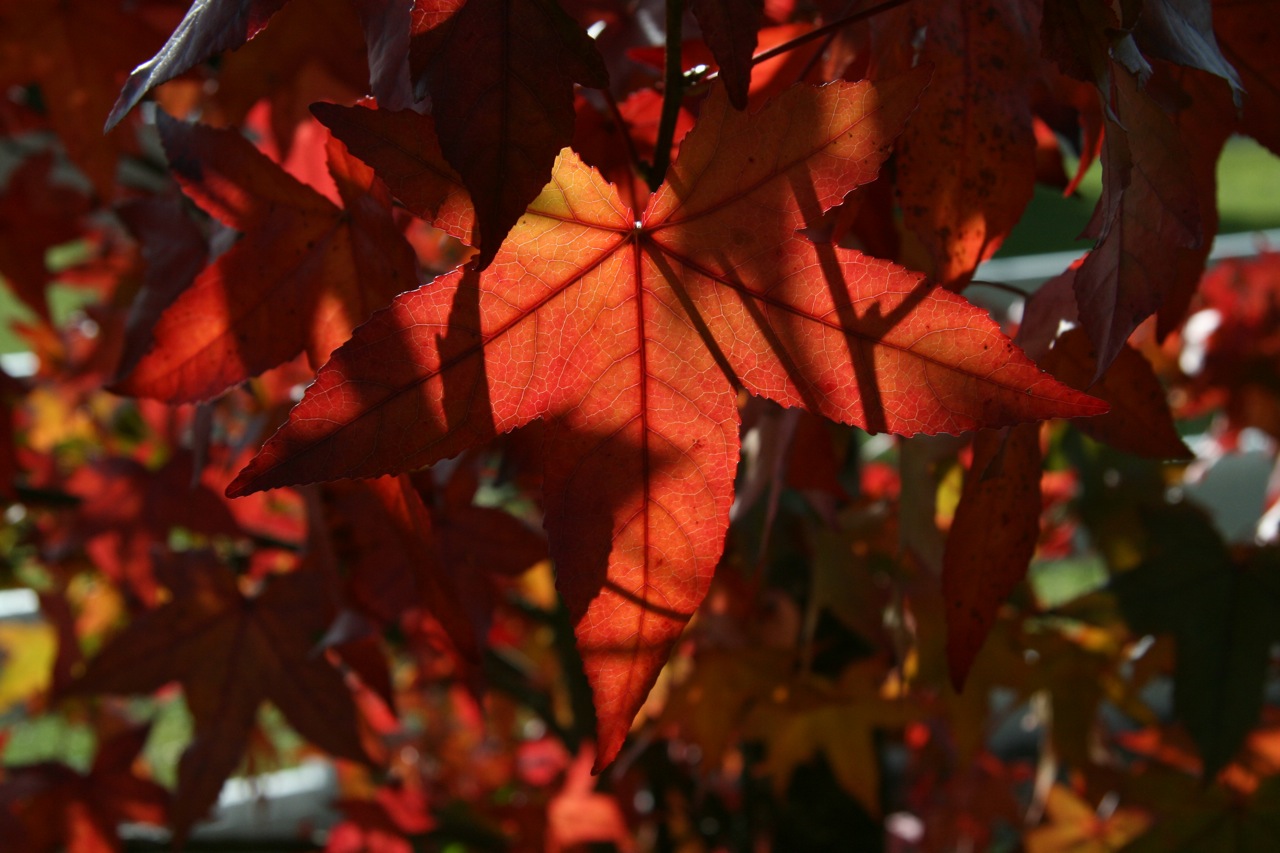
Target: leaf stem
{"type": "Point", "coordinates": [999, 285]}
{"type": "Point", "coordinates": [672, 94]}
{"type": "Point", "coordinates": [821, 31]}
{"type": "Point", "coordinates": [812, 35]}
{"type": "Point", "coordinates": [826, 45]}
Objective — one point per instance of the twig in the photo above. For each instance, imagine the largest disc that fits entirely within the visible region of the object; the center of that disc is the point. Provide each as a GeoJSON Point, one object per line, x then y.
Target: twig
{"type": "Point", "coordinates": [826, 45]}
{"type": "Point", "coordinates": [818, 33]}
{"type": "Point", "coordinates": [999, 285]}
{"type": "Point", "coordinates": [672, 94]}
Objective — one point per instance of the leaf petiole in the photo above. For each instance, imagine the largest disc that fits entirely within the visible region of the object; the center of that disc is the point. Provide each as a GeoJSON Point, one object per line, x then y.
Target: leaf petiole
{"type": "Point", "coordinates": [672, 94]}
{"type": "Point", "coordinates": [999, 285]}
{"type": "Point", "coordinates": [812, 35]}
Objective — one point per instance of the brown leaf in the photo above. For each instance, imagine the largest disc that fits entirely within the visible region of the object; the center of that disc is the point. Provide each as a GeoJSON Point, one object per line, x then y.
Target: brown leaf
{"type": "Point", "coordinates": [501, 110]}
{"type": "Point", "coordinates": [967, 157]}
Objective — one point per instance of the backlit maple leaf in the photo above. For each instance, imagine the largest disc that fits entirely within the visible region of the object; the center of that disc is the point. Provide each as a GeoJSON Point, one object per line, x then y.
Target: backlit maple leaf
{"type": "Point", "coordinates": [630, 335]}
{"type": "Point", "coordinates": [304, 274]}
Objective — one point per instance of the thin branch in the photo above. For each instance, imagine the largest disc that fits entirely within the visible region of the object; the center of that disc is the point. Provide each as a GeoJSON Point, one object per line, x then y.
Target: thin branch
{"type": "Point", "coordinates": [821, 31]}
{"type": "Point", "coordinates": [820, 52]}
{"type": "Point", "coordinates": [672, 94]}
{"type": "Point", "coordinates": [999, 285]}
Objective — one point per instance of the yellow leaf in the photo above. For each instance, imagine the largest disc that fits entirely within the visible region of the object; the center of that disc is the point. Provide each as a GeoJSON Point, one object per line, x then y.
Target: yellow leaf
{"type": "Point", "coordinates": [1074, 827]}
{"type": "Point", "coordinates": [27, 650]}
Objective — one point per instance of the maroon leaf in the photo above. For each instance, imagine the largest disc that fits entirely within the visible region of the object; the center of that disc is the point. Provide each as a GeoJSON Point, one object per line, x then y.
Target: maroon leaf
{"type": "Point", "coordinates": [303, 276]}
{"type": "Point", "coordinates": [967, 160]}
{"type": "Point", "coordinates": [501, 110]}
{"type": "Point", "coordinates": [36, 214]}
{"type": "Point", "coordinates": [1139, 421]}
{"type": "Point", "coordinates": [992, 538]}
{"type": "Point", "coordinates": [1248, 38]}
{"type": "Point", "coordinates": [1148, 214]}
{"type": "Point", "coordinates": [729, 28]}
{"type": "Point", "coordinates": [231, 652]}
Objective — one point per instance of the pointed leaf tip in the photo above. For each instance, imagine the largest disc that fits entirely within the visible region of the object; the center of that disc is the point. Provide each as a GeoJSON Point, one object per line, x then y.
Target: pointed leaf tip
{"type": "Point", "coordinates": [208, 28]}
{"type": "Point", "coordinates": [302, 276]}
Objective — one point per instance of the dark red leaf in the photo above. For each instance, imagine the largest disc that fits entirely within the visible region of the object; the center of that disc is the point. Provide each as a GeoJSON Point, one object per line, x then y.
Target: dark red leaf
{"type": "Point", "coordinates": [967, 159]}
{"type": "Point", "coordinates": [1139, 421]}
{"type": "Point", "coordinates": [992, 538]}
{"type": "Point", "coordinates": [78, 51]}
{"type": "Point", "coordinates": [729, 28]}
{"type": "Point", "coordinates": [502, 112]}
{"type": "Point", "coordinates": [304, 274]}
{"type": "Point", "coordinates": [1147, 218]}
{"type": "Point", "coordinates": [36, 214]}
{"type": "Point", "coordinates": [1247, 32]}
{"type": "Point", "coordinates": [314, 50]}
{"type": "Point", "coordinates": [231, 652]}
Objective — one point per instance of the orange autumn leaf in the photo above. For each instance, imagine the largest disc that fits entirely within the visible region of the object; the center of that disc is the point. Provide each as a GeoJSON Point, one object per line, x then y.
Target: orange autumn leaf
{"type": "Point", "coordinates": [1076, 827]}
{"type": "Point", "coordinates": [630, 335]}
{"type": "Point", "coordinates": [813, 717]}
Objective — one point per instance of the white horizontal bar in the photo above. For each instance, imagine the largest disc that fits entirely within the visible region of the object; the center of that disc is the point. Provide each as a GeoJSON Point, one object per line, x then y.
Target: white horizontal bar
{"type": "Point", "coordinates": [16, 603]}
{"type": "Point", "coordinates": [1038, 268]}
